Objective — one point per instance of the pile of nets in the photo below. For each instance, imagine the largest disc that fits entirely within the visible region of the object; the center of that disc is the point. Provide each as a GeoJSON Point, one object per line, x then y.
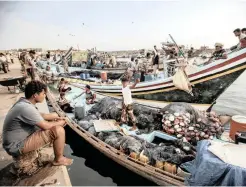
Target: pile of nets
{"type": "Point", "coordinates": [148, 119]}
{"type": "Point", "coordinates": [178, 119]}
{"type": "Point", "coordinates": [175, 151]}
{"type": "Point", "coordinates": [183, 121]}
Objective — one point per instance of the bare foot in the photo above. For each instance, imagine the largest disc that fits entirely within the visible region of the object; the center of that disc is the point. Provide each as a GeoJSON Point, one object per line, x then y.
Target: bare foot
{"type": "Point", "coordinates": [63, 162]}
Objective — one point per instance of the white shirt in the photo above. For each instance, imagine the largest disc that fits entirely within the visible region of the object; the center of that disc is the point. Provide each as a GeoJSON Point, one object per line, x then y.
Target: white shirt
{"type": "Point", "coordinates": [127, 95]}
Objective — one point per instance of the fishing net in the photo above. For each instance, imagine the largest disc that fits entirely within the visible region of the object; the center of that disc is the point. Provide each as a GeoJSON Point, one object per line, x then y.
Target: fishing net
{"type": "Point", "coordinates": [147, 118]}
{"type": "Point", "coordinates": [175, 152]}
{"type": "Point", "coordinates": [184, 121]}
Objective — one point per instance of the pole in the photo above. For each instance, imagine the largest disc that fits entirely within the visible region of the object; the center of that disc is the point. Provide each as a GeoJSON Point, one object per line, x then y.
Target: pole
{"type": "Point", "coordinates": [176, 45]}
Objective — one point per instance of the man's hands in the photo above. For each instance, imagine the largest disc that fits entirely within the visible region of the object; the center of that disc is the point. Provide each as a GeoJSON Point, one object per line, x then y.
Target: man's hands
{"type": "Point", "coordinates": [62, 121]}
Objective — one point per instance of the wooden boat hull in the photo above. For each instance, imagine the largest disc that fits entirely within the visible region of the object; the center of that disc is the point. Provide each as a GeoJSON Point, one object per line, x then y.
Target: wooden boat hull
{"type": "Point", "coordinates": [205, 91]}
{"type": "Point", "coordinates": [208, 83]}
{"type": "Point", "coordinates": [154, 174]}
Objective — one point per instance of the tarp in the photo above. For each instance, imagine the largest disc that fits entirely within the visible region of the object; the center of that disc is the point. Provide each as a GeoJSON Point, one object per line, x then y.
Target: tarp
{"type": "Point", "coordinates": [209, 170]}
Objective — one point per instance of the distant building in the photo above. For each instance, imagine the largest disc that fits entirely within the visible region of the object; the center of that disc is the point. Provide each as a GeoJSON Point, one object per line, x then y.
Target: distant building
{"type": "Point", "coordinates": [204, 47]}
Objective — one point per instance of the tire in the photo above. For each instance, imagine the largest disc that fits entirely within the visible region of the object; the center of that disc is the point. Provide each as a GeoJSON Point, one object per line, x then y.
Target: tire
{"type": "Point", "coordinates": [4, 68]}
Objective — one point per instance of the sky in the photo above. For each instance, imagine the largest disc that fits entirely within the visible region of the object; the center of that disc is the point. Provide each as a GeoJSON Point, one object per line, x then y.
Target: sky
{"type": "Point", "coordinates": [119, 25]}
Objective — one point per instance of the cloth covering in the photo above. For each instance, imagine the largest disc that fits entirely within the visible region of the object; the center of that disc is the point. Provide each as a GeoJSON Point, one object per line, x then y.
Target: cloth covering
{"type": "Point", "coordinates": [208, 170]}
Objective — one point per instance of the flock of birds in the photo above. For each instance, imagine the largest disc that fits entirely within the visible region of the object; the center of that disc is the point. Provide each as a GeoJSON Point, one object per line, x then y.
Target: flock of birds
{"type": "Point", "coordinates": [83, 24]}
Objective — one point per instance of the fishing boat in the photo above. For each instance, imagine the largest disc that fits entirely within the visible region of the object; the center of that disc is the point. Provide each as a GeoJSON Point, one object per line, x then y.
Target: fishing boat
{"type": "Point", "coordinates": [157, 175]}
{"type": "Point", "coordinates": [68, 57]}
{"type": "Point", "coordinates": [208, 83]}
{"type": "Point", "coordinates": [160, 174]}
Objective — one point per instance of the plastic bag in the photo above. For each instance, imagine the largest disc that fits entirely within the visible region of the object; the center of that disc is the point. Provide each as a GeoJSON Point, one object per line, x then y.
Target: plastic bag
{"type": "Point", "coordinates": [181, 81]}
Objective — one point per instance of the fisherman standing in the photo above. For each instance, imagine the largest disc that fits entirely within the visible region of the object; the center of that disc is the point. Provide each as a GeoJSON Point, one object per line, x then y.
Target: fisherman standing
{"type": "Point", "coordinates": [156, 60]}
{"type": "Point", "coordinates": [48, 56]}
{"type": "Point", "coordinates": [11, 58]}
{"type": "Point", "coordinates": [29, 62]}
{"type": "Point", "coordinates": [131, 68]}
{"type": "Point", "coordinates": [144, 67]}
{"type": "Point", "coordinates": [127, 108]}
{"type": "Point", "coordinates": [65, 64]}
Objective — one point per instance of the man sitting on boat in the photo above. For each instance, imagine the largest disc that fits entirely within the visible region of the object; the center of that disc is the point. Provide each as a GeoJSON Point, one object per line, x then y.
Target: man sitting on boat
{"type": "Point", "coordinates": [26, 130]}
{"type": "Point", "coordinates": [48, 75]}
{"type": "Point", "coordinates": [64, 103]}
{"type": "Point", "coordinates": [242, 38]}
{"type": "Point", "coordinates": [89, 96]}
{"type": "Point", "coordinates": [219, 53]}
{"type": "Point", "coordinates": [65, 64]}
{"type": "Point", "coordinates": [63, 87]}
{"type": "Point", "coordinates": [127, 109]}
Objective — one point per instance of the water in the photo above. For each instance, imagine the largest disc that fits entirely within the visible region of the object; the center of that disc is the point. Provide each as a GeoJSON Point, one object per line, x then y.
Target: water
{"type": "Point", "coordinates": [92, 168]}
{"type": "Point", "coordinates": [233, 100]}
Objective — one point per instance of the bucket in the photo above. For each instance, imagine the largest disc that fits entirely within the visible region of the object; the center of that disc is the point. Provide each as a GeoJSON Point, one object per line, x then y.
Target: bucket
{"type": "Point", "coordinates": [104, 75]}
{"type": "Point", "coordinates": [238, 123]}
{"type": "Point", "coordinates": [82, 76]}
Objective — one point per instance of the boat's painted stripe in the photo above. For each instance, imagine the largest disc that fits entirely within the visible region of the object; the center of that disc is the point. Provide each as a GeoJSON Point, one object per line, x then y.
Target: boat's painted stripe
{"type": "Point", "coordinates": [152, 88]}
{"type": "Point", "coordinates": [141, 101]}
{"type": "Point", "coordinates": [174, 88]}
{"type": "Point", "coordinates": [221, 65]}
{"type": "Point", "coordinates": [162, 84]}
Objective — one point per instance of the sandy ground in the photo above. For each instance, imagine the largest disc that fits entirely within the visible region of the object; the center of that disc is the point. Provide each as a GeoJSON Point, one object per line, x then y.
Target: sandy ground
{"type": "Point", "coordinates": [7, 99]}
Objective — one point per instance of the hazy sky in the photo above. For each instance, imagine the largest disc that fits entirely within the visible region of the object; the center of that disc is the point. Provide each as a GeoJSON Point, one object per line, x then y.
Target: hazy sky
{"type": "Point", "coordinates": [115, 25]}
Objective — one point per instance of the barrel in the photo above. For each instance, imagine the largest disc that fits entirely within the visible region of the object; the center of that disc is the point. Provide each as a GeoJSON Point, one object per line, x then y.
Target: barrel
{"type": "Point", "coordinates": [87, 75]}
{"type": "Point", "coordinates": [82, 75]}
{"type": "Point", "coordinates": [238, 123]}
{"type": "Point", "coordinates": [104, 76]}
